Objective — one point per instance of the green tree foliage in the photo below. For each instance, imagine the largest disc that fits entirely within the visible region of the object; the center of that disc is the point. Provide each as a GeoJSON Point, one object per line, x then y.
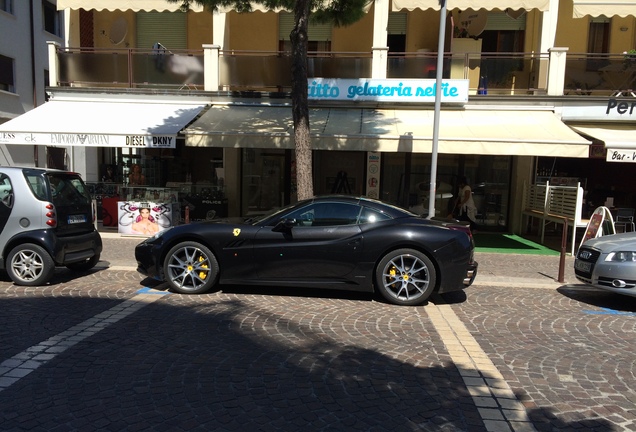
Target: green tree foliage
{"type": "Point", "coordinates": [336, 12]}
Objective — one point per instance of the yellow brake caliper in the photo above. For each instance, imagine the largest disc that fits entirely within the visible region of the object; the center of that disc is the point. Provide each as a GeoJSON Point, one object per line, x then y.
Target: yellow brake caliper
{"type": "Point", "coordinates": [203, 274]}
{"type": "Point", "coordinates": [393, 273]}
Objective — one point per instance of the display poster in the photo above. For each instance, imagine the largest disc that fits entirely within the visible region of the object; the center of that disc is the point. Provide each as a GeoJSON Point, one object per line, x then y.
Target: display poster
{"type": "Point", "coordinates": [601, 222]}
{"type": "Point", "coordinates": [145, 218]}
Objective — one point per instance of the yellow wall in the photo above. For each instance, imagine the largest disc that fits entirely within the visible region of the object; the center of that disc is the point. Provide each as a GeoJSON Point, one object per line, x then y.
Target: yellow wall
{"type": "Point", "coordinates": [358, 37]}
{"type": "Point", "coordinates": [258, 31]}
{"type": "Point", "coordinates": [573, 32]}
{"type": "Point", "coordinates": [199, 29]}
{"type": "Point", "coordinates": [422, 29]}
{"type": "Point", "coordinates": [102, 22]}
{"type": "Point", "coordinates": [620, 40]}
{"type": "Point", "coordinates": [254, 31]}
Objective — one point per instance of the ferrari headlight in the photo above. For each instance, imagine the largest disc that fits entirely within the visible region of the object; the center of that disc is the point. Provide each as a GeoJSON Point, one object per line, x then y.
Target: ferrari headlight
{"type": "Point", "coordinates": [623, 256]}
{"type": "Point", "coordinates": [157, 235]}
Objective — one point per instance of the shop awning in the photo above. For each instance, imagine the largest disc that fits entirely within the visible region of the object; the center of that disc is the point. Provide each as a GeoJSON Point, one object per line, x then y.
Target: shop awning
{"type": "Point", "coordinates": [542, 5]}
{"type": "Point", "coordinates": [134, 5]}
{"type": "Point", "coordinates": [530, 133]}
{"type": "Point", "coordinates": [608, 8]}
{"type": "Point", "coordinates": [10, 106]}
{"type": "Point", "coordinates": [100, 124]}
{"type": "Point", "coordinates": [617, 136]}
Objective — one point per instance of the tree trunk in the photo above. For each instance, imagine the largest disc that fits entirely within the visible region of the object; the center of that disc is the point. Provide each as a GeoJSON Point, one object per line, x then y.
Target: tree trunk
{"type": "Point", "coordinates": [300, 104]}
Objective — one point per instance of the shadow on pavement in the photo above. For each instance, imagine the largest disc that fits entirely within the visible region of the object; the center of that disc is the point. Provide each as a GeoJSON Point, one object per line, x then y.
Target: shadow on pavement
{"type": "Point", "coordinates": [221, 363]}
{"type": "Point", "coordinates": [598, 297]}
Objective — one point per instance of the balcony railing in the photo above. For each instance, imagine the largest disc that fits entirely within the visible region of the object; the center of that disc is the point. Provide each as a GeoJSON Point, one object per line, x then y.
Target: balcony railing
{"type": "Point", "coordinates": [130, 68]}
{"type": "Point", "coordinates": [488, 73]}
{"type": "Point", "coordinates": [600, 74]}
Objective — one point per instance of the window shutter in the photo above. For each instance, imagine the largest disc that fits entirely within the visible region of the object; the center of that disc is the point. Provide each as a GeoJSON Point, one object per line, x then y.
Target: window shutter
{"type": "Point", "coordinates": [397, 23]}
{"type": "Point", "coordinates": [501, 21]}
{"type": "Point", "coordinates": [167, 28]}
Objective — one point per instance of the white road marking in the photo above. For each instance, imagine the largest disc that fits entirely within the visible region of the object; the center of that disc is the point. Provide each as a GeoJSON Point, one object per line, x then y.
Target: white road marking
{"type": "Point", "coordinates": [25, 362]}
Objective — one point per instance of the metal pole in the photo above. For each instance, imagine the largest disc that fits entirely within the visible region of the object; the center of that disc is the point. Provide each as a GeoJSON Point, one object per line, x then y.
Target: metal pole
{"type": "Point", "coordinates": [438, 103]}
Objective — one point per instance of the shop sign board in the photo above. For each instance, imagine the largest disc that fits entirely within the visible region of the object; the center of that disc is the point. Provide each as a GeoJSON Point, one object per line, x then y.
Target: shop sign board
{"type": "Point", "coordinates": [612, 110]}
{"type": "Point", "coordinates": [373, 175]}
{"type": "Point", "coordinates": [620, 155]}
{"type": "Point", "coordinates": [387, 90]}
{"type": "Point", "coordinates": [90, 140]}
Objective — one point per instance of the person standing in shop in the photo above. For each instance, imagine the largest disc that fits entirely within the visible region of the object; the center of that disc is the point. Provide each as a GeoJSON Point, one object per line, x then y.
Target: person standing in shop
{"type": "Point", "coordinates": [136, 177]}
{"type": "Point", "coordinates": [465, 208]}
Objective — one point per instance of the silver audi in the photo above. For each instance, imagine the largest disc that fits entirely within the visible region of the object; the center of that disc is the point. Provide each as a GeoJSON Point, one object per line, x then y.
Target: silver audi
{"type": "Point", "coordinates": [609, 263]}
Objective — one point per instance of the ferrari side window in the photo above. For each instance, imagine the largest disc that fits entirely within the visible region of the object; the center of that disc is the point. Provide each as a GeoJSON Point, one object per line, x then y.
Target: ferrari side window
{"type": "Point", "coordinates": [370, 216]}
{"type": "Point", "coordinates": [334, 214]}
{"type": "Point", "coordinates": [304, 216]}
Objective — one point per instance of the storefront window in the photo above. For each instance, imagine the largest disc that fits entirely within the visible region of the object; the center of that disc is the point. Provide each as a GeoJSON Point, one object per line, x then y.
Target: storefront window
{"type": "Point", "coordinates": [339, 172]}
{"type": "Point", "coordinates": [263, 180]}
{"type": "Point", "coordinates": [406, 183]}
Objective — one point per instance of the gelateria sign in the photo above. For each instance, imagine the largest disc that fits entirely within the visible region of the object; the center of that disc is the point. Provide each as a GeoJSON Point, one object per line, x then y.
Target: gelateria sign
{"type": "Point", "coordinates": [387, 90]}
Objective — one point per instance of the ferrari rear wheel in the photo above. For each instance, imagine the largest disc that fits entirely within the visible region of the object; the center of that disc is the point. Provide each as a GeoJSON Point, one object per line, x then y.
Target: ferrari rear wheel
{"type": "Point", "coordinates": [406, 277]}
{"type": "Point", "coordinates": [191, 268]}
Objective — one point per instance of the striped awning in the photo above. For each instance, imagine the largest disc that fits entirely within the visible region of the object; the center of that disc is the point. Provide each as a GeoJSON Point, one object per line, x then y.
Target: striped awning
{"type": "Point", "coordinates": [542, 5]}
{"type": "Point", "coordinates": [122, 5]}
{"type": "Point", "coordinates": [609, 8]}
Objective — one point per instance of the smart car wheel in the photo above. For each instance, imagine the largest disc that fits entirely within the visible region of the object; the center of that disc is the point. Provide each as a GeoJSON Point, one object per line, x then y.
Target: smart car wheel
{"type": "Point", "coordinates": [191, 268]}
{"type": "Point", "coordinates": [30, 265]}
{"type": "Point", "coordinates": [85, 265]}
{"type": "Point", "coordinates": [405, 277]}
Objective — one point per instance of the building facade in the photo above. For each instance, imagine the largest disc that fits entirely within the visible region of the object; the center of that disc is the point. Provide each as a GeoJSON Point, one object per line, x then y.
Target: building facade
{"type": "Point", "coordinates": [25, 28]}
{"type": "Point", "coordinates": [548, 92]}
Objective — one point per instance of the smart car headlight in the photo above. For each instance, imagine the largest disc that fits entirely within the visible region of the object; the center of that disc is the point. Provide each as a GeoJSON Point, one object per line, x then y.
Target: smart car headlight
{"type": "Point", "coordinates": [622, 256]}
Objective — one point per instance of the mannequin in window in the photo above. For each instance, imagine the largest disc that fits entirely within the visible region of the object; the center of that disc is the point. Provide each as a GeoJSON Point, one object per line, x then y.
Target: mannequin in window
{"type": "Point", "coordinates": [136, 177]}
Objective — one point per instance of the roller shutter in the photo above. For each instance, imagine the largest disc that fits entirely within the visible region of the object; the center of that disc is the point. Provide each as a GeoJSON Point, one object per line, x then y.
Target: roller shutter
{"type": "Point", "coordinates": [167, 28]}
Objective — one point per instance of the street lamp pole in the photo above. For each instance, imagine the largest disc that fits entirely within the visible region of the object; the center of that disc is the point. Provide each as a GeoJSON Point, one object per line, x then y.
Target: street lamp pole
{"type": "Point", "coordinates": [438, 103]}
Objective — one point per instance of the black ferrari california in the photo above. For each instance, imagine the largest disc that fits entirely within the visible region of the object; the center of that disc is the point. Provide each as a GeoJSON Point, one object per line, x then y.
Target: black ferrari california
{"type": "Point", "coordinates": [325, 242]}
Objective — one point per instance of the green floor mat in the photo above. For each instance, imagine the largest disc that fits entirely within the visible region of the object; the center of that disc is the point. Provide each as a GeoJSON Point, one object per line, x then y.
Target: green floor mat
{"type": "Point", "coordinates": [509, 243]}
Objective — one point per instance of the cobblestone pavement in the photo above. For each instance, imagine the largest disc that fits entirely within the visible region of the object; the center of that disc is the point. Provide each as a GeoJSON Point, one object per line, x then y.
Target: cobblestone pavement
{"type": "Point", "coordinates": [517, 351]}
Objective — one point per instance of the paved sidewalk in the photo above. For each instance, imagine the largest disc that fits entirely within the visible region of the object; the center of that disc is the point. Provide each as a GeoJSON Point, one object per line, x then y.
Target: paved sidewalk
{"type": "Point", "coordinates": [495, 269]}
{"type": "Point", "coordinates": [508, 356]}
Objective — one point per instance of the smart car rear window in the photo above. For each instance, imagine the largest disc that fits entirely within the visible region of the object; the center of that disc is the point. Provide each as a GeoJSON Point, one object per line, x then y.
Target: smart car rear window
{"type": "Point", "coordinates": [68, 190]}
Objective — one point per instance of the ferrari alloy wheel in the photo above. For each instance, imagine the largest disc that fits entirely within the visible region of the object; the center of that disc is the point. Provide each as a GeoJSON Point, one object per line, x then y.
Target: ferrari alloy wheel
{"type": "Point", "coordinates": [30, 265]}
{"type": "Point", "coordinates": [191, 268]}
{"type": "Point", "coordinates": [406, 277]}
